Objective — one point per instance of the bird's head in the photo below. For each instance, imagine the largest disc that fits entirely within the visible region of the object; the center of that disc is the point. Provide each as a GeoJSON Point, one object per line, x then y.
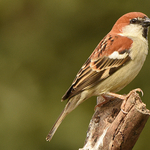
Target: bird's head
{"type": "Point", "coordinates": [133, 24]}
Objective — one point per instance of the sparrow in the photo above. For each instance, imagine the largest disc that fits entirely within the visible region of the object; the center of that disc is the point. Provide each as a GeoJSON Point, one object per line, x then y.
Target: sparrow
{"type": "Point", "coordinates": [114, 63]}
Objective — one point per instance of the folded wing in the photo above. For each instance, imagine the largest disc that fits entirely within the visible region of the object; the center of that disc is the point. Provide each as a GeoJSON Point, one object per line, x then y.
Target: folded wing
{"type": "Point", "coordinates": [101, 64]}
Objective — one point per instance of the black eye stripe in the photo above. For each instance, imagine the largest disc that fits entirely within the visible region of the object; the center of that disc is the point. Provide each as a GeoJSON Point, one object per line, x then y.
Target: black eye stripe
{"type": "Point", "coordinates": [134, 20]}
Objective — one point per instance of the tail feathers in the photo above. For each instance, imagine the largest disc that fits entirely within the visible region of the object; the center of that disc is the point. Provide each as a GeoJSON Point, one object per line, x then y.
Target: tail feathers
{"type": "Point", "coordinates": [56, 125]}
{"type": "Point", "coordinates": [71, 105]}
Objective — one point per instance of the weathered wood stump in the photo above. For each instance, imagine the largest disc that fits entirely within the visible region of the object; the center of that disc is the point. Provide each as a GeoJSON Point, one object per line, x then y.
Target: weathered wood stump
{"type": "Point", "coordinates": [113, 129]}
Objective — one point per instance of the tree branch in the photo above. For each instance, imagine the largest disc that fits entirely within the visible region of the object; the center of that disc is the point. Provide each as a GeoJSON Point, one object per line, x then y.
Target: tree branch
{"type": "Point", "coordinates": [113, 129]}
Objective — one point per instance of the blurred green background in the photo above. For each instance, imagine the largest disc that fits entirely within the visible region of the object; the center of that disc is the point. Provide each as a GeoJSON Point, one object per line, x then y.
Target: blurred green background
{"type": "Point", "coordinates": [42, 46]}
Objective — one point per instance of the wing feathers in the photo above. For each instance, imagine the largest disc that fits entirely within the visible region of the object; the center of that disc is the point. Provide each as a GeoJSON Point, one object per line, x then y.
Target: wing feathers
{"type": "Point", "coordinates": [99, 66]}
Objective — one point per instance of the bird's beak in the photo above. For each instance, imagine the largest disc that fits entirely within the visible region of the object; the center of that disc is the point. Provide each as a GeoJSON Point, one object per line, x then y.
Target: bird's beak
{"type": "Point", "coordinates": [146, 22]}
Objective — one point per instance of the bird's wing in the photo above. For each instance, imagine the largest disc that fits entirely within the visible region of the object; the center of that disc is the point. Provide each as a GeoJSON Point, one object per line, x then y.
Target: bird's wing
{"type": "Point", "coordinates": [110, 54]}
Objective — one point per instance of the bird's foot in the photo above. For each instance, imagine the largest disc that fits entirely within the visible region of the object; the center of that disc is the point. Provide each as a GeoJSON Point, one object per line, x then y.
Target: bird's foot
{"type": "Point", "coordinates": [125, 97]}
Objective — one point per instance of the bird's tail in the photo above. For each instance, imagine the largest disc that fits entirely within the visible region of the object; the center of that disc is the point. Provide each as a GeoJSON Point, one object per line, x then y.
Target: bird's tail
{"type": "Point", "coordinates": [56, 125]}
{"type": "Point", "coordinates": [71, 105]}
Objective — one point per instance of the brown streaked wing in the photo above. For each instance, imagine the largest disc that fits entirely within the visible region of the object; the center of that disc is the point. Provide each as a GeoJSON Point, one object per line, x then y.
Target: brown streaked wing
{"type": "Point", "coordinates": [99, 66]}
{"type": "Point", "coordinates": [90, 76]}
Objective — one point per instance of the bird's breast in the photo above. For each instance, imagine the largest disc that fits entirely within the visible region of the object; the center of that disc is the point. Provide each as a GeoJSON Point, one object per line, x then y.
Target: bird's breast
{"type": "Point", "coordinates": [127, 72]}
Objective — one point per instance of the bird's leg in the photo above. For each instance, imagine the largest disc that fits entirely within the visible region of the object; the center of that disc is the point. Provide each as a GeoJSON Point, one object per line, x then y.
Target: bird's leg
{"type": "Point", "coordinates": [125, 97]}
{"type": "Point", "coordinates": [103, 100]}
{"type": "Point", "coordinates": [110, 96]}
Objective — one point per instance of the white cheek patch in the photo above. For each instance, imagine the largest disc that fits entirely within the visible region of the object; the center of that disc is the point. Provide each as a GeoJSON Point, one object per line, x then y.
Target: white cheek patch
{"type": "Point", "coordinates": [116, 55]}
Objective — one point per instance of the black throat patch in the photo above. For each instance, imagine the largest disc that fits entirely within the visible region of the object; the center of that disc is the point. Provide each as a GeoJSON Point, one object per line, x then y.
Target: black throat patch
{"type": "Point", "coordinates": [145, 32]}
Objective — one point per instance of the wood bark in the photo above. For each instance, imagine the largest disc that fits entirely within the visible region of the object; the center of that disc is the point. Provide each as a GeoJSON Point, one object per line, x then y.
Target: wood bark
{"type": "Point", "coordinates": [114, 129]}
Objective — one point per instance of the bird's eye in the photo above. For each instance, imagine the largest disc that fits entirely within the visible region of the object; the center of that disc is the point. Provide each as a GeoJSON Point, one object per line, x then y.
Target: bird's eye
{"type": "Point", "coordinates": [133, 21]}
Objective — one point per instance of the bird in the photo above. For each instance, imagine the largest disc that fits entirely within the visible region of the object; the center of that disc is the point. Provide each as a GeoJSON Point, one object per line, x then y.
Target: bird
{"type": "Point", "coordinates": [113, 64]}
